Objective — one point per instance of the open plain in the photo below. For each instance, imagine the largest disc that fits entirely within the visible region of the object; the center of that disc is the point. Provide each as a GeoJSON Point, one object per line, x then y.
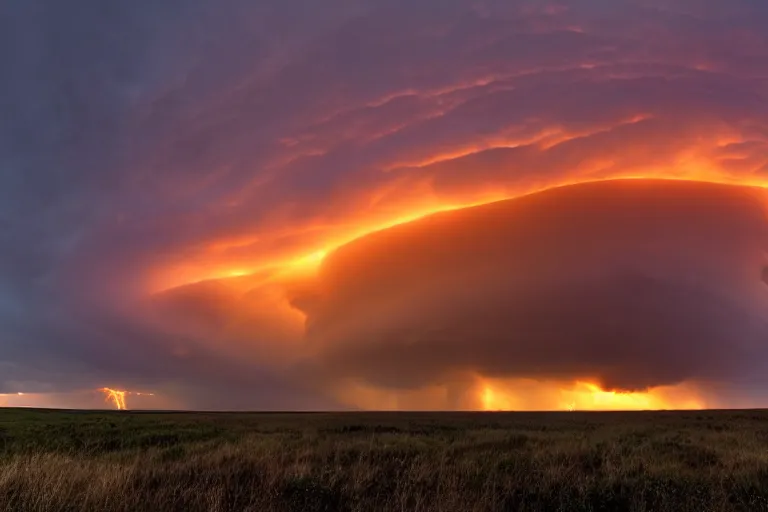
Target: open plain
{"type": "Point", "coordinates": [128, 461]}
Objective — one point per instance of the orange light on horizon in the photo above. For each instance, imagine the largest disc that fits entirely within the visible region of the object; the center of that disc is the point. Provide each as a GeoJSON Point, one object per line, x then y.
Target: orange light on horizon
{"type": "Point", "coordinates": [583, 396]}
{"type": "Point", "coordinates": [519, 394]}
{"type": "Point", "coordinates": [590, 396]}
{"type": "Point", "coordinates": [495, 400]}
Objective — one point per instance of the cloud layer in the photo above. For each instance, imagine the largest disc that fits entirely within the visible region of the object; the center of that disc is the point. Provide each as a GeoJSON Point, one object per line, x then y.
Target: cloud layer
{"type": "Point", "coordinates": [144, 149]}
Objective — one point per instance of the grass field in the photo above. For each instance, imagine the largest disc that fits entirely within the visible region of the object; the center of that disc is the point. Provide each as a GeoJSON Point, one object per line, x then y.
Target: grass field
{"type": "Point", "coordinates": [109, 461]}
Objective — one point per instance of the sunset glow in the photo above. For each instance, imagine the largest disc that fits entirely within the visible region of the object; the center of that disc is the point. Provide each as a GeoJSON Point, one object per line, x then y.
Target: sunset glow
{"type": "Point", "coordinates": [584, 396]}
{"type": "Point", "coordinates": [472, 206]}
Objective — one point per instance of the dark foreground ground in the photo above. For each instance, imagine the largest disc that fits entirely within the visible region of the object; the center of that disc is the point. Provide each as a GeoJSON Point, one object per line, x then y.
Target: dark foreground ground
{"type": "Point", "coordinates": [98, 461]}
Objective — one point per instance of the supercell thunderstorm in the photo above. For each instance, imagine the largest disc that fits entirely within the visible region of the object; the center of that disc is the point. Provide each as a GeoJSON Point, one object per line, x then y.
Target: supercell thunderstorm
{"type": "Point", "coordinates": [390, 205]}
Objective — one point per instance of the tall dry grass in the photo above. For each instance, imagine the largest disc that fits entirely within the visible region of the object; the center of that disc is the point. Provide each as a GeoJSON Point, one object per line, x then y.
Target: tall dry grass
{"type": "Point", "coordinates": [423, 463]}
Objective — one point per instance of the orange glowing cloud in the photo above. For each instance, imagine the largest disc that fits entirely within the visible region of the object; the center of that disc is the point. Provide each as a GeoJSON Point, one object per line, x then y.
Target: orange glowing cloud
{"type": "Point", "coordinates": [307, 261]}
{"type": "Point", "coordinates": [493, 393]}
{"type": "Point", "coordinates": [711, 157]}
{"type": "Point", "coordinates": [565, 285]}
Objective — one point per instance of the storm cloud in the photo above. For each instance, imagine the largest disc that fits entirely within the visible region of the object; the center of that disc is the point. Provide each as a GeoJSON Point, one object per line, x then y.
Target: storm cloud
{"type": "Point", "coordinates": [635, 284]}
{"type": "Point", "coordinates": [194, 197]}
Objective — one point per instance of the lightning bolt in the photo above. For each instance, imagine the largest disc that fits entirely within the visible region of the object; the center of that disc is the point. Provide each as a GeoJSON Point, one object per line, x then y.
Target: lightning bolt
{"type": "Point", "coordinates": [117, 397]}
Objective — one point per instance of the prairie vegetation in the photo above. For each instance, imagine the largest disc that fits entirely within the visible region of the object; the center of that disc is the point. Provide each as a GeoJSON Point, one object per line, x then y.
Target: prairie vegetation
{"type": "Point", "coordinates": [132, 461]}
